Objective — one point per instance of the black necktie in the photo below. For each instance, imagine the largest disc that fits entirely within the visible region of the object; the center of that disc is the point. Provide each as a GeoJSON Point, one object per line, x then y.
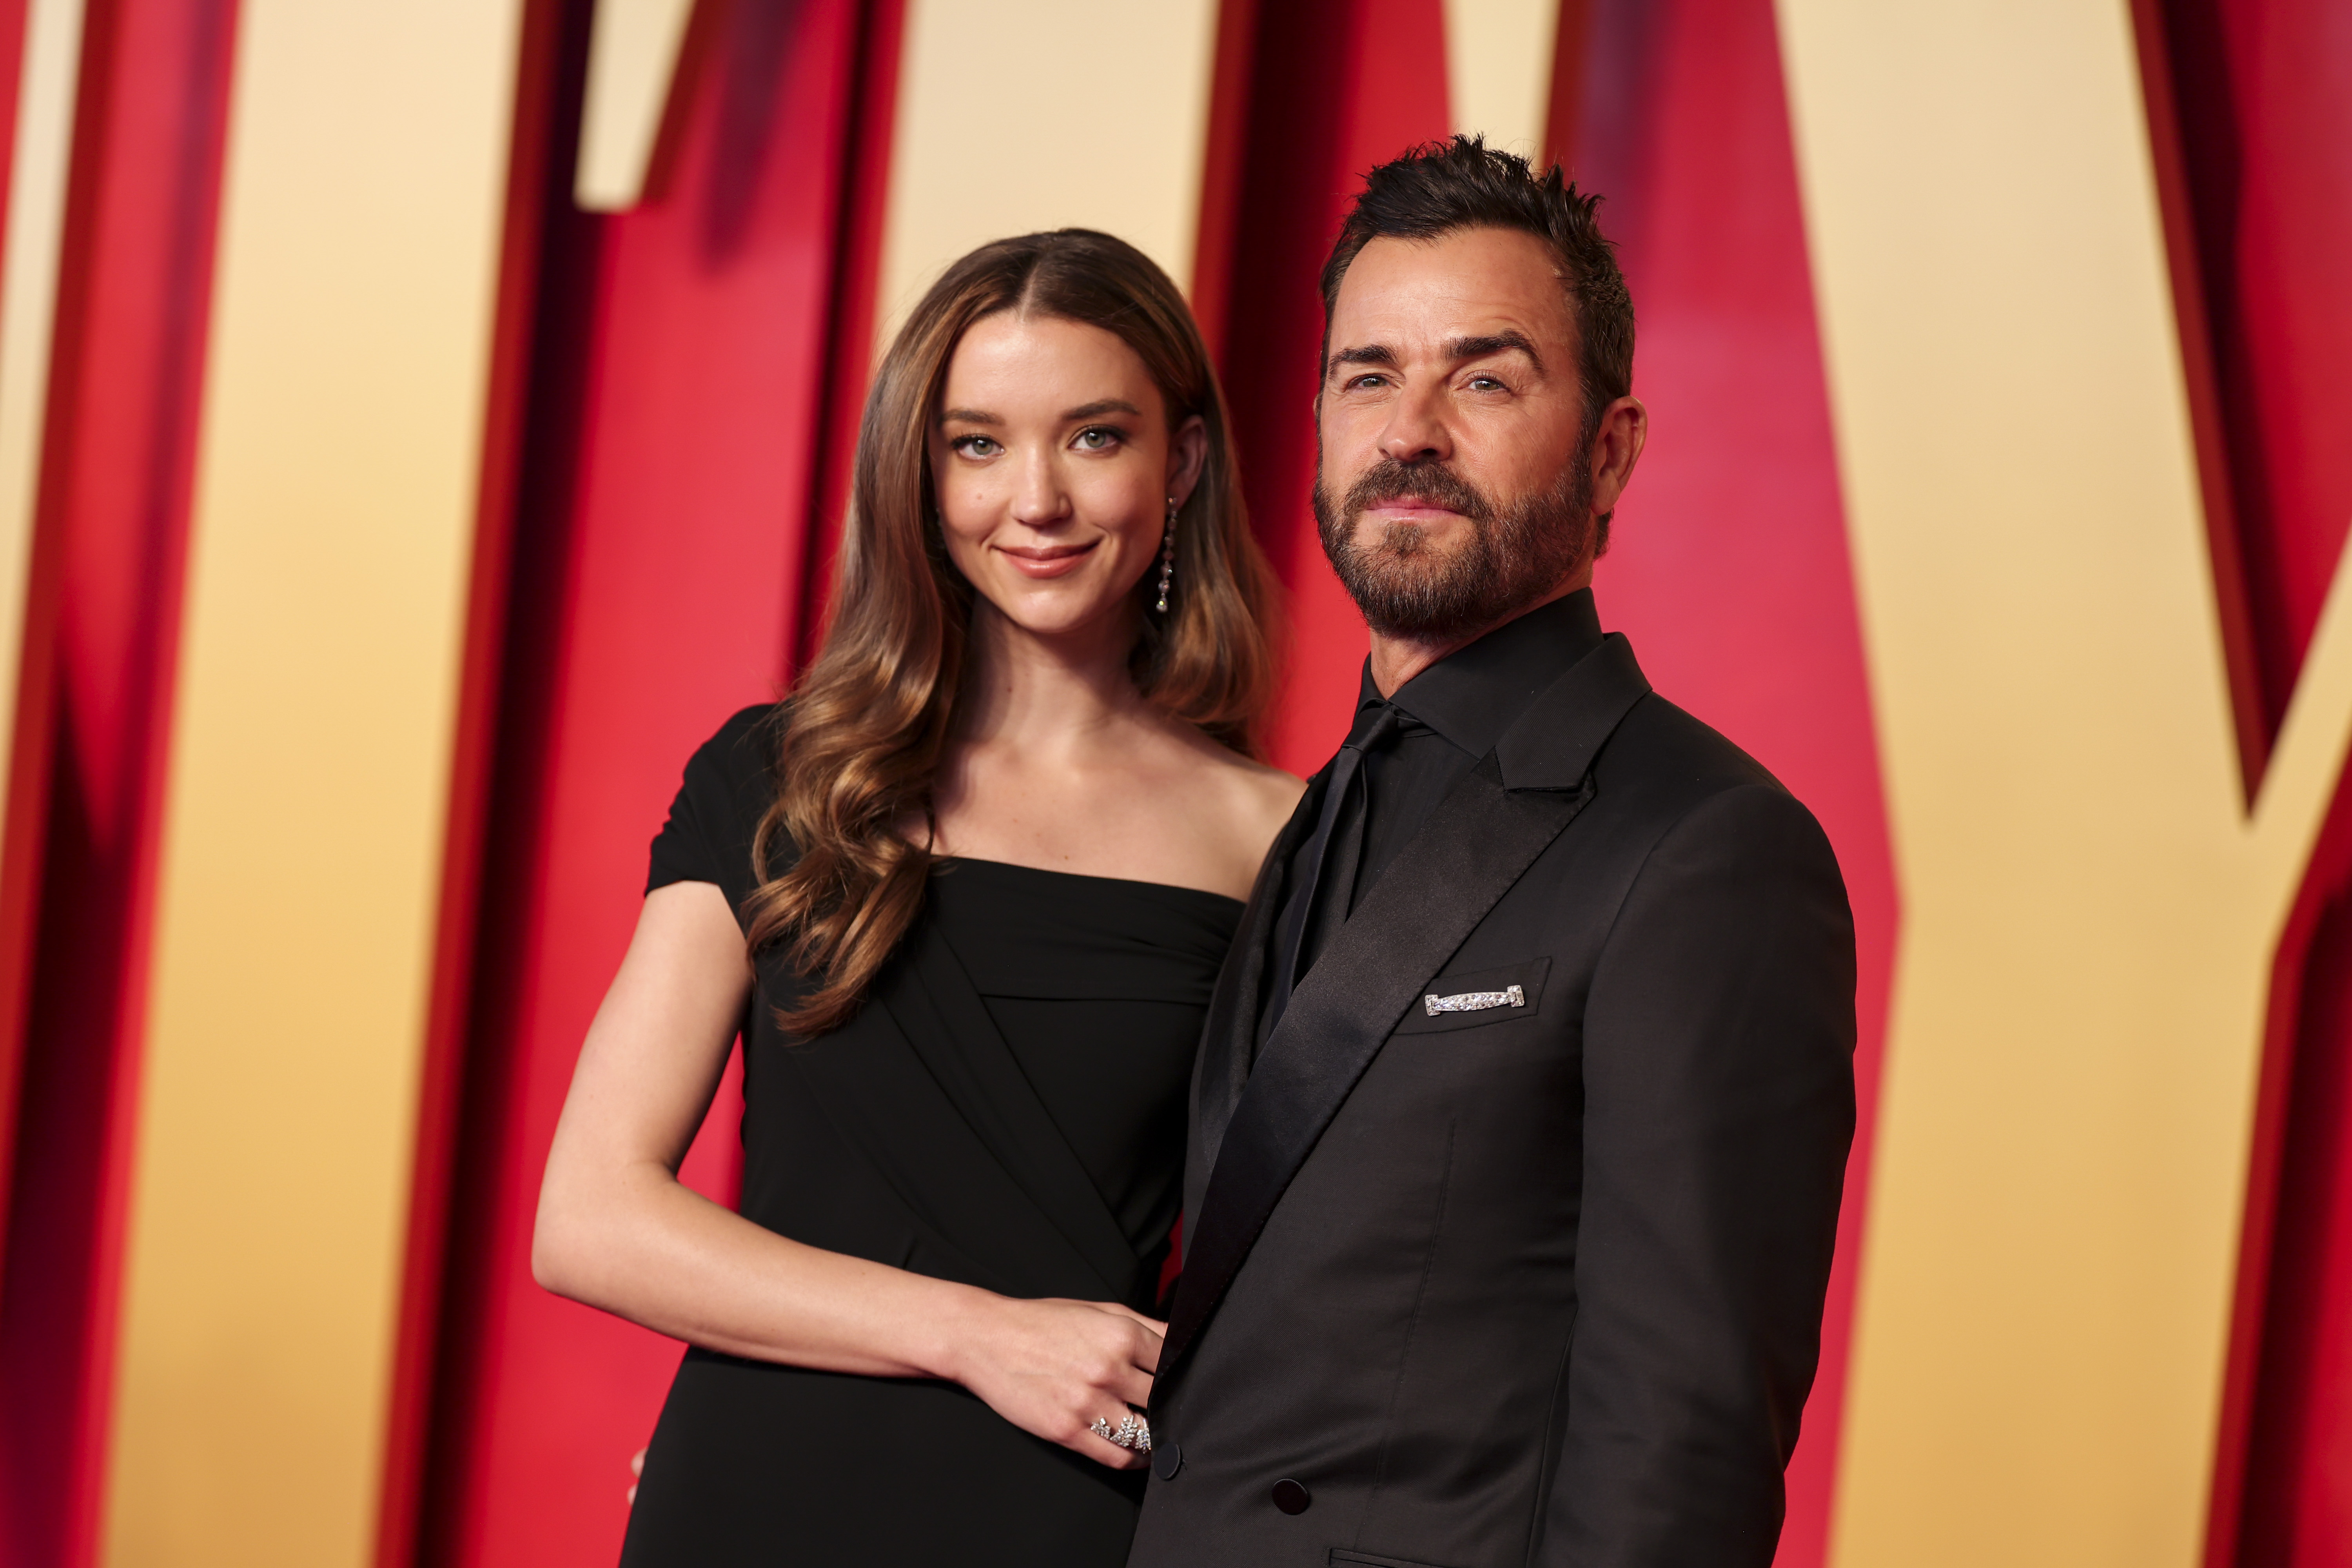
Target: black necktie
{"type": "Point", "coordinates": [1319, 907]}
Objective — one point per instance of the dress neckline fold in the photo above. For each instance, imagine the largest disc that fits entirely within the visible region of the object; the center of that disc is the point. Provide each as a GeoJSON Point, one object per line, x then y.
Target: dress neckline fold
{"type": "Point", "coordinates": [951, 861]}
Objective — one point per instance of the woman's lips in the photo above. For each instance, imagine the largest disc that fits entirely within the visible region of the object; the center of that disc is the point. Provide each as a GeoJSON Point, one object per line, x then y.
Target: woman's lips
{"type": "Point", "coordinates": [1041, 562]}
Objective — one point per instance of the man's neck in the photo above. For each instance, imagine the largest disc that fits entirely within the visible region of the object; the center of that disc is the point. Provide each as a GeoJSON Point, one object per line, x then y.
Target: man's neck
{"type": "Point", "coordinates": [1395, 661]}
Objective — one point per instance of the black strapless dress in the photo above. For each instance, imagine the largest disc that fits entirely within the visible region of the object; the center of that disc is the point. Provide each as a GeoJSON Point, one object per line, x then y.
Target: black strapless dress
{"type": "Point", "coordinates": [1007, 1109]}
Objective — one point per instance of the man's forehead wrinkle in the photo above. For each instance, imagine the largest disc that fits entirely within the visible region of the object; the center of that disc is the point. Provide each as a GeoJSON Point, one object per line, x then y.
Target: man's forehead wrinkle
{"type": "Point", "coordinates": [1407, 294]}
{"type": "Point", "coordinates": [1452, 349]}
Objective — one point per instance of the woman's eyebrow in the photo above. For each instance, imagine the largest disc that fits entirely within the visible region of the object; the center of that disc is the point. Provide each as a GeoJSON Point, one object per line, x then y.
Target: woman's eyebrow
{"type": "Point", "coordinates": [968, 416]}
{"type": "Point", "coordinates": [1102, 405]}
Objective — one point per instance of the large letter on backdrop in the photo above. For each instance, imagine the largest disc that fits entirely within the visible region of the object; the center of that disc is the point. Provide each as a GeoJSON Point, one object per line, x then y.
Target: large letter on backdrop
{"type": "Point", "coordinates": [2091, 909]}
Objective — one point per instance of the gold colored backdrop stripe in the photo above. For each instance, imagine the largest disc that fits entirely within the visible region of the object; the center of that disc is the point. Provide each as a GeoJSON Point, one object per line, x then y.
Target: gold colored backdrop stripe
{"type": "Point", "coordinates": [331, 533]}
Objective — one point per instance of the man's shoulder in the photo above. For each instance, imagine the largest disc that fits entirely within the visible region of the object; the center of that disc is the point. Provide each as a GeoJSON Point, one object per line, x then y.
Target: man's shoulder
{"type": "Point", "coordinates": [1675, 757]}
{"type": "Point", "coordinates": [1681, 809]}
{"type": "Point", "coordinates": [1666, 773]}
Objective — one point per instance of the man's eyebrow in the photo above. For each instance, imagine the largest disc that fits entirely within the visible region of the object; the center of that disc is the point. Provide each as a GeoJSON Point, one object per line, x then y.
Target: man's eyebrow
{"type": "Point", "coordinates": [1102, 405]}
{"type": "Point", "coordinates": [1369, 353]}
{"type": "Point", "coordinates": [1461, 349]}
{"type": "Point", "coordinates": [967, 417]}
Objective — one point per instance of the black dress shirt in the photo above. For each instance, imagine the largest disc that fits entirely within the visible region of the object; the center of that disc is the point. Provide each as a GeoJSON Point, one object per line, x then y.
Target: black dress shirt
{"type": "Point", "coordinates": [1447, 716]}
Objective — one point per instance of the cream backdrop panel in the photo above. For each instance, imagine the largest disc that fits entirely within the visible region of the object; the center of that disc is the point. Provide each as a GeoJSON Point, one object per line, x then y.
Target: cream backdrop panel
{"type": "Point", "coordinates": [1052, 114]}
{"type": "Point", "coordinates": [1499, 56]}
{"type": "Point", "coordinates": [40, 163]}
{"type": "Point", "coordinates": [331, 538]}
{"type": "Point", "coordinates": [633, 51]}
{"type": "Point", "coordinates": [2089, 908]}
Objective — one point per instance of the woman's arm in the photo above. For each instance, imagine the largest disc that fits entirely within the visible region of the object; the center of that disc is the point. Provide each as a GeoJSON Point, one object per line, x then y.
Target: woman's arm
{"type": "Point", "coordinates": [617, 1230]}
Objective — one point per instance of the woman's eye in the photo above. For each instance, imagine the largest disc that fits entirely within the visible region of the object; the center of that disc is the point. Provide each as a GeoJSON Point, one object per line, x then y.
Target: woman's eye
{"type": "Point", "coordinates": [1096, 439]}
{"type": "Point", "coordinates": [976, 445]}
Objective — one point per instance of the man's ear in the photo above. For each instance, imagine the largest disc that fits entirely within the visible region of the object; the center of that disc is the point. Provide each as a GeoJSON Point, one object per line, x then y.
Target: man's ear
{"type": "Point", "coordinates": [1617, 443]}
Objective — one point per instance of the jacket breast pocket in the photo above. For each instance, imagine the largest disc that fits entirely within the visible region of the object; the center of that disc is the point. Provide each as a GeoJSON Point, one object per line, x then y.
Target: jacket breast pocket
{"type": "Point", "coordinates": [1340, 1556]}
{"type": "Point", "coordinates": [1477, 997]}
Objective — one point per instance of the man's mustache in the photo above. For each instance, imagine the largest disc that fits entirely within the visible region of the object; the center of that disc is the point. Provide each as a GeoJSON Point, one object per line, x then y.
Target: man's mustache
{"type": "Point", "coordinates": [1432, 482]}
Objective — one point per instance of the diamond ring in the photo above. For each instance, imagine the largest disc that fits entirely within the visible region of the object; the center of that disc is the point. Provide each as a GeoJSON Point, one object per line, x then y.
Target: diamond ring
{"type": "Point", "coordinates": [1132, 1432]}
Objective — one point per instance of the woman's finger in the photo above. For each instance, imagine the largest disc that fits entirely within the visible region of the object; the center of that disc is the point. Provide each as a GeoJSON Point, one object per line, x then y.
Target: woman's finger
{"type": "Point", "coordinates": [1119, 1309]}
{"type": "Point", "coordinates": [1102, 1450]}
{"type": "Point", "coordinates": [1127, 1411]}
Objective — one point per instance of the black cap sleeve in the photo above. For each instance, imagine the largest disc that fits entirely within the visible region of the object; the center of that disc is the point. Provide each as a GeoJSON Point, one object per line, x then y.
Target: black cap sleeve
{"type": "Point", "coordinates": [729, 783]}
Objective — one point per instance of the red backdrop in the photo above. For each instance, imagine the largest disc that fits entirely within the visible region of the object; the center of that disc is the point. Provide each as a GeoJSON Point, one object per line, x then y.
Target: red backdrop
{"type": "Point", "coordinates": [93, 715]}
{"type": "Point", "coordinates": [659, 578]}
{"type": "Point", "coordinates": [675, 388]}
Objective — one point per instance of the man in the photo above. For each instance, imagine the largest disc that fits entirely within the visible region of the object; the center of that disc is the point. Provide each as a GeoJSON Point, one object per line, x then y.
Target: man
{"type": "Point", "coordinates": [1524, 1104]}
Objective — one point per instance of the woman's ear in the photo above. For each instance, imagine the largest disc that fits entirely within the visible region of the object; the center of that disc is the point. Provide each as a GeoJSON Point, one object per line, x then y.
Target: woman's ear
{"type": "Point", "coordinates": [1187, 451]}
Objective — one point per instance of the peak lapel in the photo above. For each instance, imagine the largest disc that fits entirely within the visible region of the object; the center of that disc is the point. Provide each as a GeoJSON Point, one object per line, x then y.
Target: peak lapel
{"type": "Point", "coordinates": [1484, 836]}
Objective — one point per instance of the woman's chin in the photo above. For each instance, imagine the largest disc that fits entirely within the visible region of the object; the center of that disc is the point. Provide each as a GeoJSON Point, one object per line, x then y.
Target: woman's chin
{"type": "Point", "coordinates": [1059, 610]}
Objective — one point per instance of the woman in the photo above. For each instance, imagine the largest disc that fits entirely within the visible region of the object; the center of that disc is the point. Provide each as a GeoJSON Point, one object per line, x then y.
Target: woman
{"type": "Point", "coordinates": [965, 894]}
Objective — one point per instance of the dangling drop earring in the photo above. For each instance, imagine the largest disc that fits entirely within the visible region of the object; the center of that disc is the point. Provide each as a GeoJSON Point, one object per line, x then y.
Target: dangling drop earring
{"type": "Point", "coordinates": [1168, 558]}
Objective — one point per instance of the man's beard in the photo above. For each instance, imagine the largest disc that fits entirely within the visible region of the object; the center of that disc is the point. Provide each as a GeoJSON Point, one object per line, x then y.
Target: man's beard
{"type": "Point", "coordinates": [1511, 555]}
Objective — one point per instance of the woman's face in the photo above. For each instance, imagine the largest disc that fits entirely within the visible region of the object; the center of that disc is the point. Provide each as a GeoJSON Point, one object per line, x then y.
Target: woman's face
{"type": "Point", "coordinates": [1054, 467]}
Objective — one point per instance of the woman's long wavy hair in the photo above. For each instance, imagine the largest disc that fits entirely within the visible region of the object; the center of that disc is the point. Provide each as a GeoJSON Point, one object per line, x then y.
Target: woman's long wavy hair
{"type": "Point", "coordinates": [858, 740]}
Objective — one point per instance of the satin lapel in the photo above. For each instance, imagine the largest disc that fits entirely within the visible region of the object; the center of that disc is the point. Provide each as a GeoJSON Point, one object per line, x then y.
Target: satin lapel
{"type": "Point", "coordinates": [944, 1019]}
{"type": "Point", "coordinates": [1442, 885]}
{"type": "Point", "coordinates": [1477, 844]}
{"type": "Point", "coordinates": [1229, 1034]}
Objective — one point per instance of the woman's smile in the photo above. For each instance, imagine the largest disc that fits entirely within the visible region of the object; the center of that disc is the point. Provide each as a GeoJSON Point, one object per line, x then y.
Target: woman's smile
{"type": "Point", "coordinates": [1040, 562]}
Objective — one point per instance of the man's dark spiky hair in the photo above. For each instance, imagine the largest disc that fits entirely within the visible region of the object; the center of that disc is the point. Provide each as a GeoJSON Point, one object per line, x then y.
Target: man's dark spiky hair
{"type": "Point", "coordinates": [1439, 187]}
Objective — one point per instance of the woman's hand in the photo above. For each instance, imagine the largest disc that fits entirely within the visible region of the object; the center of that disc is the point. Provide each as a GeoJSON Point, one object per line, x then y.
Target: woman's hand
{"type": "Point", "coordinates": [1054, 1368]}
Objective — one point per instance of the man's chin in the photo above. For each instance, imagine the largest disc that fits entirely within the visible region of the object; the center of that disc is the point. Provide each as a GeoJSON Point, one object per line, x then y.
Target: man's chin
{"type": "Point", "coordinates": [1418, 611]}
{"type": "Point", "coordinates": [1438, 540]}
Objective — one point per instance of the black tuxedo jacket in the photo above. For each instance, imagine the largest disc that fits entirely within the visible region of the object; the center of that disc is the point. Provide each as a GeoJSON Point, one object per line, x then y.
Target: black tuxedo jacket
{"type": "Point", "coordinates": [1525, 1284]}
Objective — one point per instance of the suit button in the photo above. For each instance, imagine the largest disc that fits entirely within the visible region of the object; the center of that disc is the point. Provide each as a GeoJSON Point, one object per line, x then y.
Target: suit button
{"type": "Point", "coordinates": [1290, 1497]}
{"type": "Point", "coordinates": [1167, 1459]}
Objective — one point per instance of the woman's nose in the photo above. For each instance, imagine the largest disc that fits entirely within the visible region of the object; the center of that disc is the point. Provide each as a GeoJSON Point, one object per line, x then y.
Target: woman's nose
{"type": "Point", "coordinates": [1041, 498]}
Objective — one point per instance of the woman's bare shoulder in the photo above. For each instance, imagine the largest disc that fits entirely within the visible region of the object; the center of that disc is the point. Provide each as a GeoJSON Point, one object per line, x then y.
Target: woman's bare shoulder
{"type": "Point", "coordinates": [1276, 792]}
{"type": "Point", "coordinates": [1262, 796]}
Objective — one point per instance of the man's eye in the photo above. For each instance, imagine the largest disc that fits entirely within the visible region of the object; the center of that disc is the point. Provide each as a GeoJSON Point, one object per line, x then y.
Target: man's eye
{"type": "Point", "coordinates": [1096, 438]}
{"type": "Point", "coordinates": [1487, 383]}
{"type": "Point", "coordinates": [1361, 382]}
{"type": "Point", "coordinates": [976, 445]}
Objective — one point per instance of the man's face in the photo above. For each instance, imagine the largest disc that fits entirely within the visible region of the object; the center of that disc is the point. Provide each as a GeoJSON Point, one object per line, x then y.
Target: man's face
{"type": "Point", "coordinates": [1453, 486]}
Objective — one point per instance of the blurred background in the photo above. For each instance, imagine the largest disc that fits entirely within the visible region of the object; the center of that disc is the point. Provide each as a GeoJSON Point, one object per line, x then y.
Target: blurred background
{"type": "Point", "coordinates": [423, 421]}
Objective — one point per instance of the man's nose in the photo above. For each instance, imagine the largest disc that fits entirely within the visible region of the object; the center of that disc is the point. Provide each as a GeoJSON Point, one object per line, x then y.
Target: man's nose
{"type": "Point", "coordinates": [1416, 430]}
